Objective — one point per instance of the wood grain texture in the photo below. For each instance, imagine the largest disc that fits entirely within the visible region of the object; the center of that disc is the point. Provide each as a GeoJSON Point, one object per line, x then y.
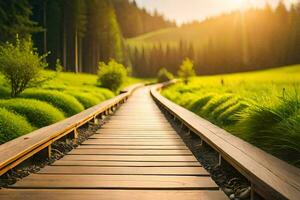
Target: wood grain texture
{"type": "Point", "coordinates": [83, 194]}
{"type": "Point", "coordinates": [83, 170]}
{"type": "Point", "coordinates": [115, 182]}
{"type": "Point", "coordinates": [129, 152]}
{"type": "Point", "coordinates": [125, 163]}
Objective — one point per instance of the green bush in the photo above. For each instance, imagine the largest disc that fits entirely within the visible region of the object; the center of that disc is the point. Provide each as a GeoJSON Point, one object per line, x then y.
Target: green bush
{"type": "Point", "coordinates": [21, 65]}
{"type": "Point", "coordinates": [86, 99]}
{"type": "Point", "coordinates": [164, 75]}
{"type": "Point", "coordinates": [186, 70]}
{"type": "Point", "coordinates": [66, 103]}
{"type": "Point", "coordinates": [111, 75]}
{"type": "Point", "coordinates": [12, 126]}
{"type": "Point", "coordinates": [38, 113]}
{"type": "Point", "coordinates": [4, 93]}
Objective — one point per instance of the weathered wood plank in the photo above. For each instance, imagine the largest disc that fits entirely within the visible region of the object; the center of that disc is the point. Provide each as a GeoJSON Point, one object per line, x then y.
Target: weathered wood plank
{"type": "Point", "coordinates": [13, 194]}
{"type": "Point", "coordinates": [116, 182]}
{"type": "Point", "coordinates": [128, 152]}
{"type": "Point", "coordinates": [130, 158]}
{"type": "Point", "coordinates": [138, 143]}
{"type": "Point", "coordinates": [132, 147]}
{"type": "Point", "coordinates": [125, 163]}
{"type": "Point", "coordinates": [88, 170]}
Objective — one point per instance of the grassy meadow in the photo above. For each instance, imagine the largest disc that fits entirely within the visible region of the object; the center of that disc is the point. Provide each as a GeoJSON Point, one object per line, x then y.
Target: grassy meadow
{"type": "Point", "coordinates": [261, 107]}
{"type": "Point", "coordinates": [63, 96]}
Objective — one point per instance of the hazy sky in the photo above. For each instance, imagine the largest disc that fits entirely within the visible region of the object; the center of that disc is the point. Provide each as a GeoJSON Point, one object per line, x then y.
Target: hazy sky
{"type": "Point", "coordinates": [188, 10]}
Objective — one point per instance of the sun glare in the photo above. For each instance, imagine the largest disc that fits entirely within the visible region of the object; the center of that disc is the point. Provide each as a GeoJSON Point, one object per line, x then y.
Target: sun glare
{"type": "Point", "coordinates": [241, 4]}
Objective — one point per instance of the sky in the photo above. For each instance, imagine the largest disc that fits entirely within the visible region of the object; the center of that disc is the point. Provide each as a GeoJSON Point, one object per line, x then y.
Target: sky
{"type": "Point", "coordinates": [188, 10]}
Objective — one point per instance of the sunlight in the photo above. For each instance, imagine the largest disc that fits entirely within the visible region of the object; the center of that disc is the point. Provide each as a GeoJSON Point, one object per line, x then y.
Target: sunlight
{"type": "Point", "coordinates": [241, 4]}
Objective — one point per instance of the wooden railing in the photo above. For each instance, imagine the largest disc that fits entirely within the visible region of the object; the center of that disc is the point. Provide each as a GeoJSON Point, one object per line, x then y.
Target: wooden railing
{"type": "Point", "coordinates": [16, 151]}
{"type": "Point", "coordinates": [270, 177]}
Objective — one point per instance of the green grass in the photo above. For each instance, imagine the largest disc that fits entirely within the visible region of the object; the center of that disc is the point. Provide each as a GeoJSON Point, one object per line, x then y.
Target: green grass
{"type": "Point", "coordinates": [260, 107]}
{"type": "Point", "coordinates": [65, 95]}
{"type": "Point", "coordinates": [38, 113]}
{"type": "Point", "coordinates": [12, 125]}
{"type": "Point", "coordinates": [64, 102]}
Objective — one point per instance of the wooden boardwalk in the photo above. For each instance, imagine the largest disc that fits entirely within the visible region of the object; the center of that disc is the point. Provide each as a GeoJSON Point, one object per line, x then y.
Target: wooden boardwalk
{"type": "Point", "coordinates": [136, 155]}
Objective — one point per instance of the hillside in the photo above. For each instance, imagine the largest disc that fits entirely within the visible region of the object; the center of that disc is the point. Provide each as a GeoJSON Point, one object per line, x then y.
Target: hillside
{"type": "Point", "coordinates": [234, 42]}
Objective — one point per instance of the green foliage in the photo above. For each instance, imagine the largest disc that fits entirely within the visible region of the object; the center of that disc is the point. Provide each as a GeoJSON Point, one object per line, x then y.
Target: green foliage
{"type": "Point", "coordinates": [38, 113]}
{"type": "Point", "coordinates": [164, 75]}
{"type": "Point", "coordinates": [4, 93]}
{"type": "Point", "coordinates": [135, 21]}
{"type": "Point", "coordinates": [21, 65]}
{"type": "Point", "coordinates": [66, 103]}
{"type": "Point", "coordinates": [274, 127]}
{"type": "Point", "coordinates": [261, 107]}
{"type": "Point", "coordinates": [12, 126]}
{"type": "Point", "coordinates": [186, 70]}
{"type": "Point", "coordinates": [111, 75]}
{"type": "Point", "coordinates": [86, 99]}
{"type": "Point", "coordinates": [15, 18]}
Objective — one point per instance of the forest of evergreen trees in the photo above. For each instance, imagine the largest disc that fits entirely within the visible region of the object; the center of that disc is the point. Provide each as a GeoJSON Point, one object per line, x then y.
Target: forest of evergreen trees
{"type": "Point", "coordinates": [238, 41]}
{"type": "Point", "coordinates": [79, 33]}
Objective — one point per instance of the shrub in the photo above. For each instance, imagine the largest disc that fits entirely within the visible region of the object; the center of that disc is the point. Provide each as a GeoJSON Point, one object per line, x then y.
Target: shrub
{"type": "Point", "coordinates": [66, 103]}
{"type": "Point", "coordinates": [111, 75]}
{"type": "Point", "coordinates": [38, 113]}
{"type": "Point", "coordinates": [4, 93]}
{"type": "Point", "coordinates": [186, 70]}
{"type": "Point", "coordinates": [21, 65]}
{"type": "Point", "coordinates": [12, 126]}
{"type": "Point", "coordinates": [164, 75]}
{"type": "Point", "coordinates": [87, 100]}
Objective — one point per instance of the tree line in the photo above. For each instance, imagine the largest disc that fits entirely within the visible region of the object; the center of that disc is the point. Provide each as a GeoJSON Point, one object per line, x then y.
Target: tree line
{"type": "Point", "coordinates": [79, 33]}
{"type": "Point", "coordinates": [135, 21]}
{"type": "Point", "coordinates": [237, 41]}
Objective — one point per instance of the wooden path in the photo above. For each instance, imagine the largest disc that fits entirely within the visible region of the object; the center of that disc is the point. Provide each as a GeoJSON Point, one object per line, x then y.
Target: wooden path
{"type": "Point", "coordinates": [136, 155]}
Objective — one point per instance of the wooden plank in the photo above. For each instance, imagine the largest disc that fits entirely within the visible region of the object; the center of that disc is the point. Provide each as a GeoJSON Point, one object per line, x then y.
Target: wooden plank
{"type": "Point", "coordinates": [125, 163]}
{"type": "Point", "coordinates": [116, 182]}
{"type": "Point", "coordinates": [130, 158]}
{"type": "Point", "coordinates": [128, 152]}
{"type": "Point", "coordinates": [132, 147]}
{"type": "Point", "coordinates": [99, 136]}
{"type": "Point", "coordinates": [88, 170]}
{"type": "Point", "coordinates": [21, 194]}
{"type": "Point", "coordinates": [138, 143]}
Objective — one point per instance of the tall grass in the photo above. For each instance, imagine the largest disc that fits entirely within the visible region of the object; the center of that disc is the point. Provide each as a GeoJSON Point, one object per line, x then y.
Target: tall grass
{"type": "Point", "coordinates": [262, 107]}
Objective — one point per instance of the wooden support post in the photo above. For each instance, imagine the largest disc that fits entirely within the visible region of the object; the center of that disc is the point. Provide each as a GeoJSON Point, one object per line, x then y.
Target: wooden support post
{"type": "Point", "coordinates": [220, 160]}
{"type": "Point", "coordinates": [44, 153]}
{"type": "Point", "coordinates": [75, 134]}
{"type": "Point", "coordinates": [95, 120]}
